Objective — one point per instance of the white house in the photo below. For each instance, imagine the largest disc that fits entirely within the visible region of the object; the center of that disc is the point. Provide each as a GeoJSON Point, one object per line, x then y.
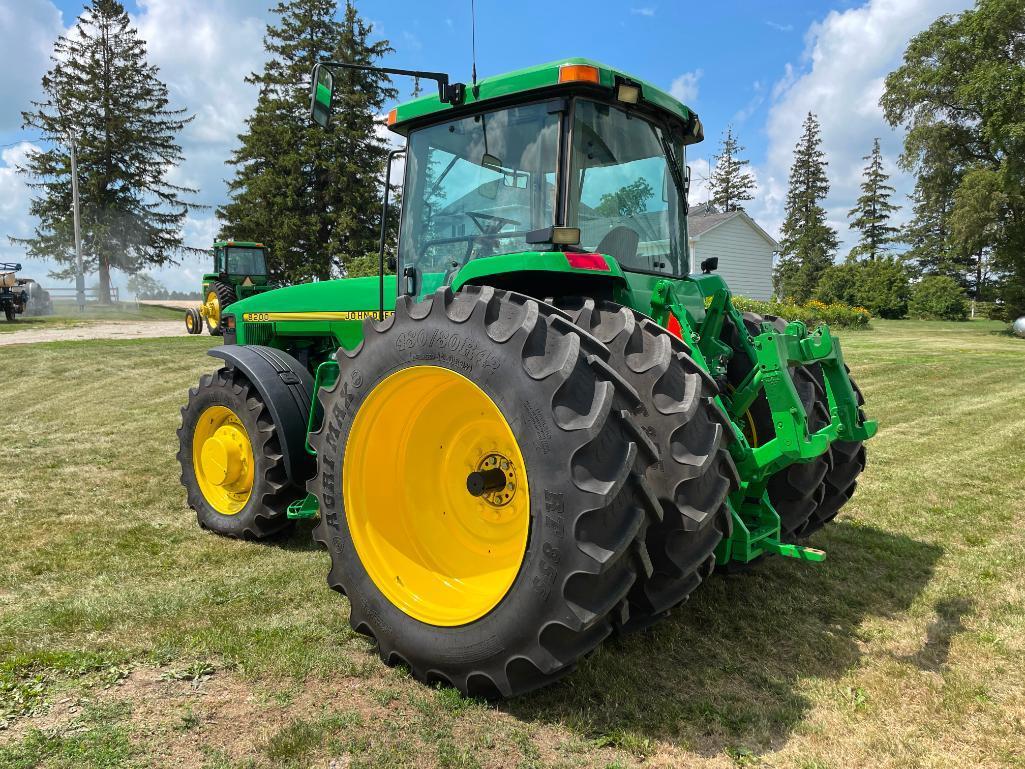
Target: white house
{"type": "Point", "coordinates": [744, 250]}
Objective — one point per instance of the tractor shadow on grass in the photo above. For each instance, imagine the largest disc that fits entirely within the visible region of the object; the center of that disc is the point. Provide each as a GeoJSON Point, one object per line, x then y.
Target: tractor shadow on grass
{"type": "Point", "coordinates": [297, 538]}
{"type": "Point", "coordinates": [724, 672]}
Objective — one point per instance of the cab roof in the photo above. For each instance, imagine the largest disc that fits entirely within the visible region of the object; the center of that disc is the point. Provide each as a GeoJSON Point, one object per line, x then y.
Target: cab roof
{"type": "Point", "coordinates": [543, 76]}
{"type": "Point", "coordinates": [239, 243]}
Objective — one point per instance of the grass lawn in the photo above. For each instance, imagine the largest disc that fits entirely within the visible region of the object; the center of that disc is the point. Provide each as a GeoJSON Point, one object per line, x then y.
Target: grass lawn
{"type": "Point", "coordinates": [129, 637]}
{"type": "Point", "coordinates": [66, 314]}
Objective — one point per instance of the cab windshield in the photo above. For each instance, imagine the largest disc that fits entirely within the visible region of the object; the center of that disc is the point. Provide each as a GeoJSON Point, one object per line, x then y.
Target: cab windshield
{"type": "Point", "coordinates": [476, 186]}
{"type": "Point", "coordinates": [622, 192]}
{"type": "Point", "coordinates": [245, 261]}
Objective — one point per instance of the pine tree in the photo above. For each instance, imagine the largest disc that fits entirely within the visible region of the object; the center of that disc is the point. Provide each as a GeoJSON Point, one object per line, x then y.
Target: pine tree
{"type": "Point", "coordinates": [872, 213]}
{"type": "Point", "coordinates": [808, 243]}
{"type": "Point", "coordinates": [730, 183]}
{"type": "Point", "coordinates": [312, 194]}
{"type": "Point", "coordinates": [103, 93]}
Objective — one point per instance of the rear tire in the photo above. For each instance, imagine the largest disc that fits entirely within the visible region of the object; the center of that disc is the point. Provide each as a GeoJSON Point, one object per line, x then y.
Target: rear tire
{"type": "Point", "coordinates": [847, 463]}
{"type": "Point", "coordinates": [9, 313]}
{"type": "Point", "coordinates": [695, 473]}
{"type": "Point", "coordinates": [806, 494]}
{"type": "Point", "coordinates": [586, 507]}
{"type": "Point", "coordinates": [263, 513]}
{"type": "Point", "coordinates": [225, 296]}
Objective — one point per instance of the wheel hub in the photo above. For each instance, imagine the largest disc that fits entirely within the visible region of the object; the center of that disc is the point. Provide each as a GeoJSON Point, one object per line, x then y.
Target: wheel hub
{"type": "Point", "coordinates": [223, 460]}
{"type": "Point", "coordinates": [494, 480]}
{"type": "Point", "coordinates": [222, 456]}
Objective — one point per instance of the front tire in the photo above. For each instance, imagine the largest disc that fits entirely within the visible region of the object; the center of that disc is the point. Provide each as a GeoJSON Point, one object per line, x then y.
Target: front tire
{"type": "Point", "coordinates": [193, 321]}
{"type": "Point", "coordinates": [498, 596]}
{"type": "Point", "coordinates": [229, 451]}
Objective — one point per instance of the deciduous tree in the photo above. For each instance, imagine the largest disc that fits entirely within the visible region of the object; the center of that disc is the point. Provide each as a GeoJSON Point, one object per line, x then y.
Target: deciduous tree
{"type": "Point", "coordinates": [960, 93]}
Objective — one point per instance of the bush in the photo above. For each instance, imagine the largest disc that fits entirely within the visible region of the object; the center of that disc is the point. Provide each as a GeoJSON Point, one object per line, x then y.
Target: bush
{"type": "Point", "coordinates": [937, 297]}
{"type": "Point", "coordinates": [837, 315]}
{"type": "Point", "coordinates": [880, 285]}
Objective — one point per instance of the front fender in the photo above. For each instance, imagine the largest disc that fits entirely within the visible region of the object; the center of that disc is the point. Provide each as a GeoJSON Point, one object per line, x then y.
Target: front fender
{"type": "Point", "coordinates": [286, 387]}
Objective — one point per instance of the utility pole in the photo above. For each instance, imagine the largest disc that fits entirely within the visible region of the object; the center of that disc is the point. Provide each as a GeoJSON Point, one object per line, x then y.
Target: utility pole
{"type": "Point", "coordinates": [80, 275]}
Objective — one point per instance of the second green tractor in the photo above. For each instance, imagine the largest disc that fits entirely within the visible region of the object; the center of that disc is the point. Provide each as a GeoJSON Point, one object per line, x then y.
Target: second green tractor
{"type": "Point", "coordinates": [240, 271]}
{"type": "Point", "coordinates": [550, 426]}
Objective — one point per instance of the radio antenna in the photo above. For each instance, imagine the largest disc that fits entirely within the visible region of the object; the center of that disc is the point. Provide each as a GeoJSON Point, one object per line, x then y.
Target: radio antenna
{"type": "Point", "coordinates": [473, 45]}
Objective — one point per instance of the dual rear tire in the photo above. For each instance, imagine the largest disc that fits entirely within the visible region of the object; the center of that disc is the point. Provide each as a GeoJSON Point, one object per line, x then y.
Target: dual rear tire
{"type": "Point", "coordinates": [806, 495]}
{"type": "Point", "coordinates": [499, 595]}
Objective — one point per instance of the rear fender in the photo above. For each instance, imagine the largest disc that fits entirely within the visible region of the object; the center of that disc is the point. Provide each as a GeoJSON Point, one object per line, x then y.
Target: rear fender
{"type": "Point", "coordinates": [286, 387]}
{"type": "Point", "coordinates": [544, 274]}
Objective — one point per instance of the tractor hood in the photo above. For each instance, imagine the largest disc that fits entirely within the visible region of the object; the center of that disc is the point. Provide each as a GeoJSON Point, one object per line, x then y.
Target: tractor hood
{"type": "Point", "coordinates": [330, 299]}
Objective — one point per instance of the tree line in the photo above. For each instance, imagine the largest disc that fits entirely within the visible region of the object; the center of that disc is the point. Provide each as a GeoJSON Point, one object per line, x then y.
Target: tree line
{"type": "Point", "coordinates": [313, 195]}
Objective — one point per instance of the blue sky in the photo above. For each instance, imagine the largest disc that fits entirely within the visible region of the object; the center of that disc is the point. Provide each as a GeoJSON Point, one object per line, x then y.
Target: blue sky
{"type": "Point", "coordinates": [760, 66]}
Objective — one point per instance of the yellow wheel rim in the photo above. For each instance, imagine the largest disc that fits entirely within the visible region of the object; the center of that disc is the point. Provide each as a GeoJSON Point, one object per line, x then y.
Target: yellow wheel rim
{"type": "Point", "coordinates": [213, 309]}
{"type": "Point", "coordinates": [222, 457]}
{"type": "Point", "coordinates": [436, 551]}
{"type": "Point", "coordinates": [190, 322]}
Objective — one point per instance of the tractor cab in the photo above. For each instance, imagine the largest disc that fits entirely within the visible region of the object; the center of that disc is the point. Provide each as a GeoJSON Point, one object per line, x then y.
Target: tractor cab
{"type": "Point", "coordinates": [235, 261]}
{"type": "Point", "coordinates": [572, 158]}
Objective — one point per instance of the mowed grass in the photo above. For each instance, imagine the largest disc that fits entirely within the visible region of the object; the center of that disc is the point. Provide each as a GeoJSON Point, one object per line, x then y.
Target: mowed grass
{"type": "Point", "coordinates": [129, 637]}
{"type": "Point", "coordinates": [66, 313]}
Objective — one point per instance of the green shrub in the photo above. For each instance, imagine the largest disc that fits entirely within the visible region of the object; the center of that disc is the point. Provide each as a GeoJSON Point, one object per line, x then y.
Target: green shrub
{"type": "Point", "coordinates": [998, 311]}
{"type": "Point", "coordinates": [837, 315]}
{"type": "Point", "coordinates": [937, 297]}
{"type": "Point", "coordinates": [880, 285]}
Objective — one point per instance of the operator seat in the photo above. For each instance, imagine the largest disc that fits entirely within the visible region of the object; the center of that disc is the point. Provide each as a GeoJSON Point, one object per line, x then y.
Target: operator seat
{"type": "Point", "coordinates": [621, 244]}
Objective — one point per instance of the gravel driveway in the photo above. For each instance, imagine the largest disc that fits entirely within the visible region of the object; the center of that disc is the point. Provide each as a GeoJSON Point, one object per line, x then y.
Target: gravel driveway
{"type": "Point", "coordinates": [115, 329]}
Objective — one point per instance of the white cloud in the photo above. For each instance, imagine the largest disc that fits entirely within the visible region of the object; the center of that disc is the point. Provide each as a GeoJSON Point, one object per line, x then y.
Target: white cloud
{"type": "Point", "coordinates": [27, 31]}
{"type": "Point", "coordinates": [14, 200]}
{"type": "Point", "coordinates": [840, 79]}
{"type": "Point", "coordinates": [780, 27]}
{"type": "Point", "coordinates": [645, 11]}
{"type": "Point", "coordinates": [685, 87]}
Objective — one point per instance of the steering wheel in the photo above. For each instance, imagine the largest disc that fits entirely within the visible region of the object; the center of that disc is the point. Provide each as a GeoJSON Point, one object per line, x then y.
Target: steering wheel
{"type": "Point", "coordinates": [494, 224]}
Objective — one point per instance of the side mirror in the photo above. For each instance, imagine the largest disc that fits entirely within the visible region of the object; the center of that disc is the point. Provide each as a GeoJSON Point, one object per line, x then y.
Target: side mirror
{"type": "Point", "coordinates": [323, 92]}
{"type": "Point", "coordinates": [686, 180]}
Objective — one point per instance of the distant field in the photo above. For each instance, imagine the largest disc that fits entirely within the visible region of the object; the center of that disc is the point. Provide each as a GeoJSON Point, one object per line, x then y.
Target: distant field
{"type": "Point", "coordinates": [129, 637]}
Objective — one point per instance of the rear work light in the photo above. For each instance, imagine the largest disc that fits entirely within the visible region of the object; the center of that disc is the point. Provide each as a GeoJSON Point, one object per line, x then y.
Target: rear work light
{"type": "Point", "coordinates": [578, 73]}
{"type": "Point", "coordinates": [588, 262]}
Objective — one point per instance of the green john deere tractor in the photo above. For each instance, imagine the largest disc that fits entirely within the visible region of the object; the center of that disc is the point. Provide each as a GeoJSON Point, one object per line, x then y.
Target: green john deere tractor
{"type": "Point", "coordinates": [240, 271]}
{"type": "Point", "coordinates": [549, 426]}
